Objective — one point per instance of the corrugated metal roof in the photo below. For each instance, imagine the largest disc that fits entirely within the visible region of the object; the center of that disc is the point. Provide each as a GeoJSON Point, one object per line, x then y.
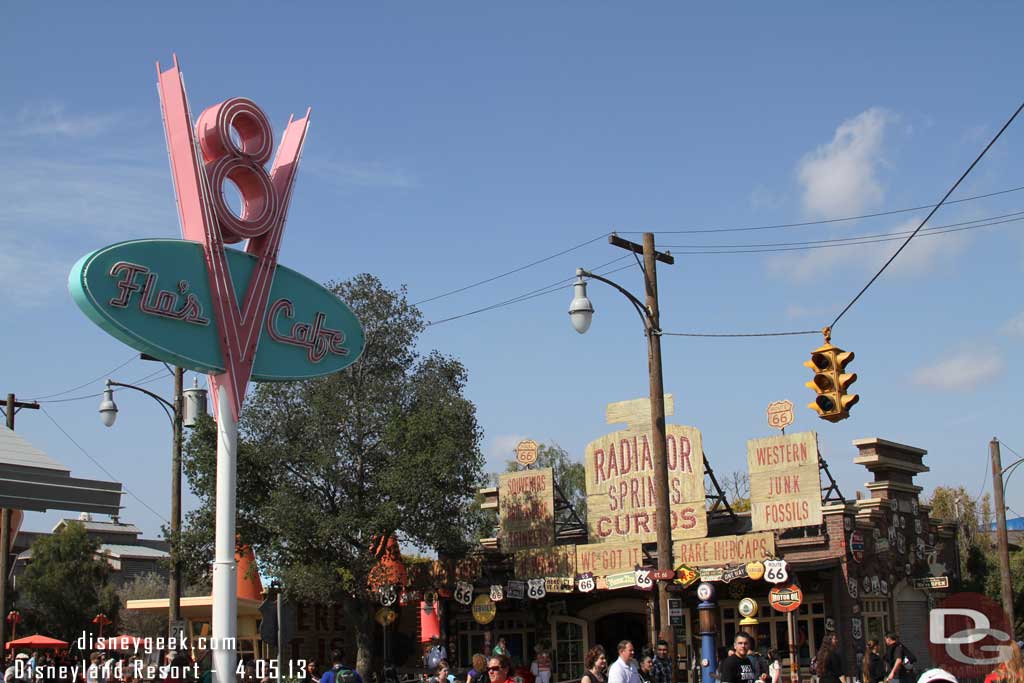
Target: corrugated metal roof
{"type": "Point", "coordinates": [15, 450]}
{"type": "Point", "coordinates": [139, 551]}
{"type": "Point", "coordinates": [106, 527]}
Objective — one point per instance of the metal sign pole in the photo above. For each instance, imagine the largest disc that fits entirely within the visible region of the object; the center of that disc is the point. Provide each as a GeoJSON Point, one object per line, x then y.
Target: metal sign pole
{"type": "Point", "coordinates": [225, 569]}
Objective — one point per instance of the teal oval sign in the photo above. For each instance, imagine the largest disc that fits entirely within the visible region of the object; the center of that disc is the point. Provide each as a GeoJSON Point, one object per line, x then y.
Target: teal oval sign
{"type": "Point", "coordinates": [154, 295]}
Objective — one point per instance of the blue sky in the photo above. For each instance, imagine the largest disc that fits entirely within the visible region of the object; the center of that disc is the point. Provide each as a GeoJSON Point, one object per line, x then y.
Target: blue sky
{"type": "Point", "coordinates": [453, 142]}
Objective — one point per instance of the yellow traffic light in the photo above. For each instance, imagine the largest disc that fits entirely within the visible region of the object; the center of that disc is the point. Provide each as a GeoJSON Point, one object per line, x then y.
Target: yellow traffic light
{"type": "Point", "coordinates": [830, 381]}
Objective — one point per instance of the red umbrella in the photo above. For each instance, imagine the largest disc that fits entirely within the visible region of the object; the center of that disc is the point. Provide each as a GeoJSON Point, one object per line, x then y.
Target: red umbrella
{"type": "Point", "coordinates": [38, 641]}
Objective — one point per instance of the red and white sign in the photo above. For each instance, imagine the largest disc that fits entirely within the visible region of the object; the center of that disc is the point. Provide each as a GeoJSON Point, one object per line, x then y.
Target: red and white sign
{"type": "Point", "coordinates": [785, 598]}
{"type": "Point", "coordinates": [780, 414]}
{"type": "Point", "coordinates": [857, 545]}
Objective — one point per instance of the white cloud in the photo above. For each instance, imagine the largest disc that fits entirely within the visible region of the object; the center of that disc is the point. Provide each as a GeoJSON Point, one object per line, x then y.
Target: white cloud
{"type": "Point", "coordinates": [1014, 327]}
{"type": "Point", "coordinates": [500, 449]}
{"type": "Point", "coordinates": [920, 256]}
{"type": "Point", "coordinates": [840, 178]}
{"type": "Point", "coordinates": [51, 119]}
{"type": "Point", "coordinates": [962, 371]}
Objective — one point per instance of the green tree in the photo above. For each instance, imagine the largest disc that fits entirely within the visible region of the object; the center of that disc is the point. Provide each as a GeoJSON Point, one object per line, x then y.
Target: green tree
{"type": "Point", "coordinates": [570, 476]}
{"type": "Point", "coordinates": [977, 561]}
{"type": "Point", "coordinates": [65, 585]}
{"type": "Point", "coordinates": [329, 467]}
{"type": "Point", "coordinates": [143, 623]}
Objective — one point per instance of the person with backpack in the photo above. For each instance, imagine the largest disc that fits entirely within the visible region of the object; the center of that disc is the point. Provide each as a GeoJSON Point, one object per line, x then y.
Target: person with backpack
{"type": "Point", "coordinates": [339, 673]}
{"type": "Point", "coordinates": [899, 660]}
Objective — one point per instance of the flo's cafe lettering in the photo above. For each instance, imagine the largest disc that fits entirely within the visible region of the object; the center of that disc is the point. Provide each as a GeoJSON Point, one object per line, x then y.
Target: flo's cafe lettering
{"type": "Point", "coordinates": [134, 279]}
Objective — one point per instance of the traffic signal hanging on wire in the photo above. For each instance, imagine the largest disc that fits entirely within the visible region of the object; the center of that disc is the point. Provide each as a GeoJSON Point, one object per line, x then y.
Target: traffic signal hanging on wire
{"type": "Point", "coordinates": [831, 381]}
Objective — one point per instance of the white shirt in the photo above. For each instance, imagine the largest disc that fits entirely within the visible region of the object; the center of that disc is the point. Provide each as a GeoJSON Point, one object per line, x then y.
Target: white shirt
{"type": "Point", "coordinates": [620, 672]}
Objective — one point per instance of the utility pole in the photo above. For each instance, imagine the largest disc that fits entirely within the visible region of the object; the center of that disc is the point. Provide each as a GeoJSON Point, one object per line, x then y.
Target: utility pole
{"type": "Point", "coordinates": [1001, 539]}
{"type": "Point", "coordinates": [174, 585]}
{"type": "Point", "coordinates": [661, 485]}
{"type": "Point", "coordinates": [13, 406]}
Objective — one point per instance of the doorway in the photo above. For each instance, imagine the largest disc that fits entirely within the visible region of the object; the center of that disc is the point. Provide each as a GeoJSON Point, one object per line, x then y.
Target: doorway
{"type": "Point", "coordinates": [610, 629]}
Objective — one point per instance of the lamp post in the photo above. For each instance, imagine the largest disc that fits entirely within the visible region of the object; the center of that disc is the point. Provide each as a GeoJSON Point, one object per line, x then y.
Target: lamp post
{"type": "Point", "coordinates": [180, 413]}
{"type": "Point", "coordinates": [581, 312]}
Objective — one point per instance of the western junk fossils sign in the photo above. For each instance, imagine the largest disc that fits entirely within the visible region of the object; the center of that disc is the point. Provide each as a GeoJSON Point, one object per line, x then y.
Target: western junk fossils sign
{"type": "Point", "coordinates": [620, 478]}
{"type": "Point", "coordinates": [526, 502]}
{"type": "Point", "coordinates": [785, 490]}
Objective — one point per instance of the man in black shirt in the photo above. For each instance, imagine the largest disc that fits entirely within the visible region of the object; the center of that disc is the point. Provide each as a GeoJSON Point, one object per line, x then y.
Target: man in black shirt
{"type": "Point", "coordinates": [738, 668]}
{"type": "Point", "coordinates": [898, 659]}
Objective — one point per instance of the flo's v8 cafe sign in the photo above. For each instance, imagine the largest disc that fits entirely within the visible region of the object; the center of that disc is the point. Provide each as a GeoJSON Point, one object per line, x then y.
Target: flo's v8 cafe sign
{"type": "Point", "coordinates": [620, 478]}
{"type": "Point", "coordinates": [232, 313]}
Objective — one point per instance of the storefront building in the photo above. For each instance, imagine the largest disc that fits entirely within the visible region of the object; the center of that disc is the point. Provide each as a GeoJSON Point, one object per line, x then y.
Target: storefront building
{"type": "Point", "coordinates": [871, 565]}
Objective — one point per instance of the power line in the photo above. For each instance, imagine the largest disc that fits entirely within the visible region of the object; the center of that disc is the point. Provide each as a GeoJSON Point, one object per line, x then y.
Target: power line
{"type": "Point", "coordinates": [846, 241]}
{"type": "Point", "coordinates": [511, 272]}
{"type": "Point", "coordinates": [108, 373]}
{"type": "Point", "coordinates": [694, 231]}
{"type": "Point", "coordinates": [104, 469]}
{"type": "Point", "coordinates": [930, 214]}
{"type": "Point", "coordinates": [740, 334]}
{"type": "Point", "coordinates": [149, 379]}
{"type": "Point", "coordinates": [532, 294]}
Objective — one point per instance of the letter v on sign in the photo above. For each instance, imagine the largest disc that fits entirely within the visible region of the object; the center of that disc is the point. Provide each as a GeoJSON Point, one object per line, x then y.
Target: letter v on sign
{"type": "Point", "coordinates": [234, 142]}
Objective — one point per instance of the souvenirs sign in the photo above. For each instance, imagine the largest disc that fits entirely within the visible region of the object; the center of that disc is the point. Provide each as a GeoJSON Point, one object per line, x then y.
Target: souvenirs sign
{"type": "Point", "coordinates": [722, 550]}
{"type": "Point", "coordinates": [234, 314]}
{"type": "Point", "coordinates": [526, 509]}
{"type": "Point", "coordinates": [620, 478]}
{"type": "Point", "coordinates": [785, 489]}
{"type": "Point", "coordinates": [559, 560]}
{"type": "Point", "coordinates": [603, 559]}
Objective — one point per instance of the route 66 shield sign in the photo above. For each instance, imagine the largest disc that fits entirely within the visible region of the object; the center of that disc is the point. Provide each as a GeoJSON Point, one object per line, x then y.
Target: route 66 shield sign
{"type": "Point", "coordinates": [586, 582]}
{"type": "Point", "coordinates": [775, 571]}
{"type": "Point", "coordinates": [497, 593]}
{"type": "Point", "coordinates": [463, 593]}
{"type": "Point", "coordinates": [535, 589]}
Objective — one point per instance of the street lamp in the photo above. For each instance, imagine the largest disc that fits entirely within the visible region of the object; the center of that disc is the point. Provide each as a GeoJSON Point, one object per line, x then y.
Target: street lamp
{"type": "Point", "coordinates": [581, 312]}
{"type": "Point", "coordinates": [181, 412]}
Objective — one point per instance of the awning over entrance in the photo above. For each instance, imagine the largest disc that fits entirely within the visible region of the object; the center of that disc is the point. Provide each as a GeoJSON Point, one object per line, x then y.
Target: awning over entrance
{"type": "Point", "coordinates": [32, 480]}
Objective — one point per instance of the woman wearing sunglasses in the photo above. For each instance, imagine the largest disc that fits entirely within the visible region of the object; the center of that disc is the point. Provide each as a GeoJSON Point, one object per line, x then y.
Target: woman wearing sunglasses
{"type": "Point", "coordinates": [499, 667]}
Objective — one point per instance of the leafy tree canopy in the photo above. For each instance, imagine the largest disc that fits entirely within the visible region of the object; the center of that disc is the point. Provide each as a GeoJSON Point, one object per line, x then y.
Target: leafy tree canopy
{"type": "Point", "coordinates": [328, 467]}
{"type": "Point", "coordinates": [65, 584]}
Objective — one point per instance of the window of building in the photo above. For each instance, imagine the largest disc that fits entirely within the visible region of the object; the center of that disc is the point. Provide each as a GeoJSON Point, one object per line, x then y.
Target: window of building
{"type": "Point", "coordinates": [569, 636]}
{"type": "Point", "coordinates": [877, 621]}
{"type": "Point", "coordinates": [511, 627]}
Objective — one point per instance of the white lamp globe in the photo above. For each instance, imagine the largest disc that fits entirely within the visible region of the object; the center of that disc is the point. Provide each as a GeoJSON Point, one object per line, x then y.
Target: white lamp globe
{"type": "Point", "coordinates": [581, 311]}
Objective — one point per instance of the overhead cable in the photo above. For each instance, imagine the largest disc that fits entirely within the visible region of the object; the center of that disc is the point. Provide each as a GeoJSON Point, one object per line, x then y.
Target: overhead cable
{"type": "Point", "coordinates": [930, 214]}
